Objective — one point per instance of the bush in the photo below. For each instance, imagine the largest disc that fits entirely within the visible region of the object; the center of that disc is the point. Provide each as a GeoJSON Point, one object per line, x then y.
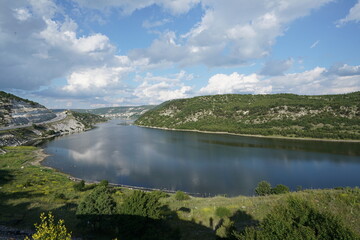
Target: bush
{"type": "Point", "coordinates": [297, 219]}
{"type": "Point", "coordinates": [79, 186]}
{"type": "Point", "coordinates": [142, 204]}
{"type": "Point", "coordinates": [98, 202]}
{"type": "Point", "coordinates": [180, 196]}
{"type": "Point", "coordinates": [47, 230]}
{"type": "Point", "coordinates": [263, 188]}
{"type": "Point", "coordinates": [104, 183]}
{"type": "Point", "coordinates": [280, 189]}
{"type": "Point", "coordinates": [222, 212]}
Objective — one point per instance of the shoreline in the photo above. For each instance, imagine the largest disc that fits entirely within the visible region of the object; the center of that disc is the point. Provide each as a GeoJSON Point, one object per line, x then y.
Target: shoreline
{"type": "Point", "coordinates": [254, 136]}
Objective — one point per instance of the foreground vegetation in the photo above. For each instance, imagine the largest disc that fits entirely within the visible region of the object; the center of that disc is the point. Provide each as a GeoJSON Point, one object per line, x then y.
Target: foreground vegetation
{"type": "Point", "coordinates": [28, 189]}
{"type": "Point", "coordinates": [286, 115]}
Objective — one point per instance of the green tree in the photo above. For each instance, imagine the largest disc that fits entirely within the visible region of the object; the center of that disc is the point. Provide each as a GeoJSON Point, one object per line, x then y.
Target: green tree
{"type": "Point", "coordinates": [48, 230]}
{"type": "Point", "coordinates": [97, 207]}
{"type": "Point", "coordinates": [79, 186]}
{"type": "Point", "coordinates": [263, 188]}
{"type": "Point", "coordinates": [280, 189]}
{"type": "Point", "coordinates": [142, 204]}
{"type": "Point", "coordinates": [180, 196]}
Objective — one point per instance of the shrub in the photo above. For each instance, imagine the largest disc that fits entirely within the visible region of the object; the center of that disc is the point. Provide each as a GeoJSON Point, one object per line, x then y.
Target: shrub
{"type": "Point", "coordinates": [263, 188]}
{"type": "Point", "coordinates": [142, 204]}
{"type": "Point", "coordinates": [180, 196]}
{"type": "Point", "coordinates": [48, 230]}
{"type": "Point", "coordinates": [297, 219]}
{"type": "Point", "coordinates": [226, 228]}
{"type": "Point", "coordinates": [79, 186]}
{"type": "Point", "coordinates": [222, 212]}
{"type": "Point", "coordinates": [104, 183]}
{"type": "Point", "coordinates": [98, 202]}
{"type": "Point", "coordinates": [280, 189]}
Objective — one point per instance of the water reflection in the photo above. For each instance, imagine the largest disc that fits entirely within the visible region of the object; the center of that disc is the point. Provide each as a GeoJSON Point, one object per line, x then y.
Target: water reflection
{"type": "Point", "coordinates": [205, 163]}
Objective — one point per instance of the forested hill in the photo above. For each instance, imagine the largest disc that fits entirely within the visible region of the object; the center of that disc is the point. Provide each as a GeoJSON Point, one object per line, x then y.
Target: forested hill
{"type": "Point", "coordinates": [289, 115]}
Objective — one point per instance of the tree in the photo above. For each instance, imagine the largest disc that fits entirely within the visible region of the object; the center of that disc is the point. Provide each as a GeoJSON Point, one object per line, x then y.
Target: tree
{"type": "Point", "coordinates": [79, 186]}
{"type": "Point", "coordinates": [263, 188]}
{"type": "Point", "coordinates": [280, 189]}
{"type": "Point", "coordinates": [96, 207]}
{"type": "Point", "coordinates": [180, 196]}
{"type": "Point", "coordinates": [142, 204]}
{"type": "Point", "coordinates": [48, 230]}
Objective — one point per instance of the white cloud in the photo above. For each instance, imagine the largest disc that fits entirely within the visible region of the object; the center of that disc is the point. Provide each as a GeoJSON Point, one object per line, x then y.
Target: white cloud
{"type": "Point", "coordinates": [22, 14]}
{"type": "Point", "coordinates": [353, 15]}
{"type": "Point", "coordinates": [35, 48]}
{"type": "Point", "coordinates": [94, 79]}
{"type": "Point", "coordinates": [230, 33]}
{"type": "Point", "coordinates": [235, 83]}
{"type": "Point", "coordinates": [338, 79]}
{"type": "Point", "coordinates": [156, 89]}
{"type": "Point", "coordinates": [344, 70]}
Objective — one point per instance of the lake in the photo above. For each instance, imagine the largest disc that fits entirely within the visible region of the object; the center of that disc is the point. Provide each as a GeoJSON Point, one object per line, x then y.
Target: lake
{"type": "Point", "coordinates": [209, 164]}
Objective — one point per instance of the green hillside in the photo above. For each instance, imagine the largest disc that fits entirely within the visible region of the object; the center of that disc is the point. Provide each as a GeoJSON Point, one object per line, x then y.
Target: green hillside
{"type": "Point", "coordinates": [287, 115]}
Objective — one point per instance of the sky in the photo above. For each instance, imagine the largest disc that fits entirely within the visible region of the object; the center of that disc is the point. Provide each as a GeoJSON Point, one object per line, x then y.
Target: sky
{"type": "Point", "coordinates": [91, 54]}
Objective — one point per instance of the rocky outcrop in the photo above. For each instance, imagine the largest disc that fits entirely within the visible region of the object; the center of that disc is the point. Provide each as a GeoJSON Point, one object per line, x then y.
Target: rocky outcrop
{"type": "Point", "coordinates": [16, 111]}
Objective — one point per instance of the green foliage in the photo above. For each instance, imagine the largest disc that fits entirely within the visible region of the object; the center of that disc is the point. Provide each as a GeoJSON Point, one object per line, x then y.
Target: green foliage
{"type": "Point", "coordinates": [98, 202]}
{"type": "Point", "coordinates": [104, 183]}
{"type": "Point", "coordinates": [222, 212]}
{"type": "Point", "coordinates": [48, 230]}
{"type": "Point", "coordinates": [226, 228]}
{"type": "Point", "coordinates": [142, 204]}
{"type": "Point", "coordinates": [289, 115]}
{"type": "Point", "coordinates": [79, 186]}
{"type": "Point", "coordinates": [263, 188]}
{"type": "Point", "coordinates": [297, 219]}
{"type": "Point", "coordinates": [180, 196]}
{"type": "Point", "coordinates": [280, 189]}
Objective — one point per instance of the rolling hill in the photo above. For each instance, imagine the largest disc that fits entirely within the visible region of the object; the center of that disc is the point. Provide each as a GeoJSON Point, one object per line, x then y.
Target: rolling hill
{"type": "Point", "coordinates": [285, 115]}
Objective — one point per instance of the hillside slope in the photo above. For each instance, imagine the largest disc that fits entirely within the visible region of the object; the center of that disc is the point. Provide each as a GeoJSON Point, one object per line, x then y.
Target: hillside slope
{"type": "Point", "coordinates": [288, 115]}
{"type": "Point", "coordinates": [18, 111]}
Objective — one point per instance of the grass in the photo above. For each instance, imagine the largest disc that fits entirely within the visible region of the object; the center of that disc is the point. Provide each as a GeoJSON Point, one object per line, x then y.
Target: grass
{"type": "Point", "coordinates": [27, 189]}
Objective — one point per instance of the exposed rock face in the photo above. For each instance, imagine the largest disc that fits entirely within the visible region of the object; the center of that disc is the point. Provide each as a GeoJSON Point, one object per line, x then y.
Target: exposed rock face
{"type": "Point", "coordinates": [17, 111]}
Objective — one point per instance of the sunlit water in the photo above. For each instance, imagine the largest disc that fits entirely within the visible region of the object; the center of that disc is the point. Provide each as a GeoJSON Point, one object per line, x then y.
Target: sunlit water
{"type": "Point", "coordinates": [202, 163]}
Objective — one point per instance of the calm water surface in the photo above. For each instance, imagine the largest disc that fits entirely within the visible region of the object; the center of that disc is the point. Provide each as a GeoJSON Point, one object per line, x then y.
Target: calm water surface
{"type": "Point", "coordinates": [202, 163]}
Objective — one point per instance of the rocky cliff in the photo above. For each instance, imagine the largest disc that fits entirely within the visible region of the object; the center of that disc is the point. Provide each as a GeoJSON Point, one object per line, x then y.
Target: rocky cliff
{"type": "Point", "coordinates": [23, 121]}
{"type": "Point", "coordinates": [16, 111]}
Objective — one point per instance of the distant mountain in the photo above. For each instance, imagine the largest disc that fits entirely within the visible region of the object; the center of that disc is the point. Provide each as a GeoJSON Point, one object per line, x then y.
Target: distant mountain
{"type": "Point", "coordinates": [129, 112]}
{"type": "Point", "coordinates": [289, 115]}
{"type": "Point", "coordinates": [18, 111]}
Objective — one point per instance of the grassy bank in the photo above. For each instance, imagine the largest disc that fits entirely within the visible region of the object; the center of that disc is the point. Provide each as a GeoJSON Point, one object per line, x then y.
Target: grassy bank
{"type": "Point", "coordinates": [27, 189]}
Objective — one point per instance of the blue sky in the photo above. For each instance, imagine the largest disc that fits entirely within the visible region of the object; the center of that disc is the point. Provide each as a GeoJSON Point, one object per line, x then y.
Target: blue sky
{"type": "Point", "coordinates": [88, 54]}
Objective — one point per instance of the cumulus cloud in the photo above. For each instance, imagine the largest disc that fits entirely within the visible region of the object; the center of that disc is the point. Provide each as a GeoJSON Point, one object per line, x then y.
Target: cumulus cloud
{"type": "Point", "coordinates": [338, 79]}
{"type": "Point", "coordinates": [35, 48]}
{"type": "Point", "coordinates": [353, 15]}
{"type": "Point", "coordinates": [230, 33]}
{"type": "Point", "coordinates": [155, 89]}
{"type": "Point", "coordinates": [276, 67]}
{"type": "Point", "coordinates": [235, 83]}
